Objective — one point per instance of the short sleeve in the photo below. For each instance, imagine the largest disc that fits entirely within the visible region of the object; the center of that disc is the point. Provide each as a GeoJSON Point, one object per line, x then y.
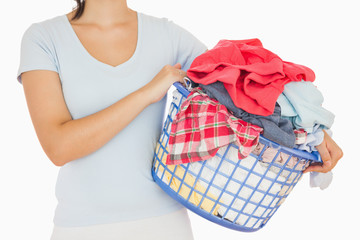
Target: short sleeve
{"type": "Point", "coordinates": [37, 51]}
{"type": "Point", "coordinates": [186, 46]}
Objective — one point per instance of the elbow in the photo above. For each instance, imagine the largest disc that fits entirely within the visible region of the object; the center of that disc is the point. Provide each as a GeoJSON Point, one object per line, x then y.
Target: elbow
{"type": "Point", "coordinates": [56, 159]}
{"type": "Point", "coordinates": [58, 163]}
{"type": "Point", "coordinates": [59, 150]}
{"type": "Point", "coordinates": [55, 155]}
{"type": "Point", "coordinates": [54, 144]}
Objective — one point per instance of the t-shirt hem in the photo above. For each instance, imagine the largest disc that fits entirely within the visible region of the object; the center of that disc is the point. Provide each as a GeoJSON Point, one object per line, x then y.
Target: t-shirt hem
{"type": "Point", "coordinates": [26, 69]}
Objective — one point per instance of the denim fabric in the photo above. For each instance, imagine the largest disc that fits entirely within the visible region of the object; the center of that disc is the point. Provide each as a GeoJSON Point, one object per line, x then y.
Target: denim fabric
{"type": "Point", "coordinates": [275, 128]}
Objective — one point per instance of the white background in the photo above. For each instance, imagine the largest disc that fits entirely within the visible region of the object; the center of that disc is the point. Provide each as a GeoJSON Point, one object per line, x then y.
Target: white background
{"type": "Point", "coordinates": [323, 35]}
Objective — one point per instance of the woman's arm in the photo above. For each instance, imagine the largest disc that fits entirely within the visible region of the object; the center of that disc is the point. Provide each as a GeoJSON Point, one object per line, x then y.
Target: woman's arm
{"type": "Point", "coordinates": [64, 139]}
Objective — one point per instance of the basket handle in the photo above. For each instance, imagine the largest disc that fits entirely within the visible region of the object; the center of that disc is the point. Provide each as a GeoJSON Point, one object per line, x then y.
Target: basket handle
{"type": "Point", "coordinates": [181, 88]}
{"type": "Point", "coordinates": [317, 155]}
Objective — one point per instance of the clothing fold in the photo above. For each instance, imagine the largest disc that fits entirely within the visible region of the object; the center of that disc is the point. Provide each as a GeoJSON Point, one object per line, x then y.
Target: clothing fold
{"type": "Point", "coordinates": [253, 75]}
{"type": "Point", "coordinates": [202, 126]}
{"type": "Point", "coordinates": [275, 128]}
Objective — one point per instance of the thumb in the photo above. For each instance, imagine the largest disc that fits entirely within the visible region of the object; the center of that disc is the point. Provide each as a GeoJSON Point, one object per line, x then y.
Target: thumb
{"type": "Point", "coordinates": [177, 65]}
{"type": "Point", "coordinates": [325, 155]}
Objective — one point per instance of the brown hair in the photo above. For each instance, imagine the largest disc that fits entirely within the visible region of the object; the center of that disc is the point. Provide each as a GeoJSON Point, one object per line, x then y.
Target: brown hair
{"type": "Point", "coordinates": [79, 9]}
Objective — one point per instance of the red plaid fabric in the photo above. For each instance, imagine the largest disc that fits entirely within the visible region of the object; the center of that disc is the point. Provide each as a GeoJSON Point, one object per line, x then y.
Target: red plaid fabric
{"type": "Point", "coordinates": [300, 135]}
{"type": "Point", "coordinates": [202, 126]}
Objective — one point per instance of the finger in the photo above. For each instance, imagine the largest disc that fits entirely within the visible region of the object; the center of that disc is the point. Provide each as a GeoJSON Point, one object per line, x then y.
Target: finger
{"type": "Point", "coordinates": [335, 151]}
{"type": "Point", "coordinates": [182, 79]}
{"type": "Point", "coordinates": [315, 168]}
{"type": "Point", "coordinates": [182, 73]}
{"type": "Point", "coordinates": [177, 65]}
{"type": "Point", "coordinates": [326, 159]}
{"type": "Point", "coordinates": [324, 154]}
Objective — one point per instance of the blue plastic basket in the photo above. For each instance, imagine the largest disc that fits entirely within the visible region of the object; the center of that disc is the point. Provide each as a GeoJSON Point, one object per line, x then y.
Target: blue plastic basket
{"type": "Point", "coordinates": [238, 194]}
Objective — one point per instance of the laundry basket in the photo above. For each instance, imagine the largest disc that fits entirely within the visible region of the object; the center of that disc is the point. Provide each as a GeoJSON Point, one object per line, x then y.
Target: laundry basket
{"type": "Point", "coordinates": [241, 194]}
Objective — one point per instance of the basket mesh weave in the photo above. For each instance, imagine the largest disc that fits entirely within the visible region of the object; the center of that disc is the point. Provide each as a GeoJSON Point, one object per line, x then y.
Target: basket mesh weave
{"type": "Point", "coordinates": [238, 194]}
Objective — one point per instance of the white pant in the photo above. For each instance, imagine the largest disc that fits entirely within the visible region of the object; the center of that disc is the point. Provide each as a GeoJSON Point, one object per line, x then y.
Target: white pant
{"type": "Point", "coordinates": [175, 225]}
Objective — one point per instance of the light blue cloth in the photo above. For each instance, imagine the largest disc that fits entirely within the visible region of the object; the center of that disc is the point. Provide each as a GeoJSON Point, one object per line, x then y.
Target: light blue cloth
{"type": "Point", "coordinates": [313, 139]}
{"type": "Point", "coordinates": [321, 180]}
{"type": "Point", "coordinates": [301, 102]}
{"type": "Point", "coordinates": [113, 183]}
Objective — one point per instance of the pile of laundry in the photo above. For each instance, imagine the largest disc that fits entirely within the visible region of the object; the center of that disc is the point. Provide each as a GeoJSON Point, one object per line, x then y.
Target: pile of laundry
{"type": "Point", "coordinates": [242, 90]}
{"type": "Point", "coordinates": [239, 91]}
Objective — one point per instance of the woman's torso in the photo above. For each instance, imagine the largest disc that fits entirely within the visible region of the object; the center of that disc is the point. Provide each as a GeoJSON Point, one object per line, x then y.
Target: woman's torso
{"type": "Point", "coordinates": [114, 183]}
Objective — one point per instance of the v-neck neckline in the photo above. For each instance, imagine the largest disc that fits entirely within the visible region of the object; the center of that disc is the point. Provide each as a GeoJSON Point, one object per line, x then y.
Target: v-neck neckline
{"type": "Point", "coordinates": [100, 63]}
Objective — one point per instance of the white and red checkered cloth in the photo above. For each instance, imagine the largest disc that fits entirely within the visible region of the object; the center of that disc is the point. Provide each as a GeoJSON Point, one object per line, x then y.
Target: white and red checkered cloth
{"type": "Point", "coordinates": [202, 126]}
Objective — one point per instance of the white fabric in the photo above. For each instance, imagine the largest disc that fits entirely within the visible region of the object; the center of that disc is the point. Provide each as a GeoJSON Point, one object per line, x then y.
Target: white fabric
{"type": "Point", "coordinates": [174, 226]}
{"type": "Point", "coordinates": [227, 167]}
{"type": "Point", "coordinates": [320, 180]}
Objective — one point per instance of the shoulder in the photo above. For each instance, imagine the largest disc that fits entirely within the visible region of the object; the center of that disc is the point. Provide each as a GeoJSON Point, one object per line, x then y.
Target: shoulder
{"type": "Point", "coordinates": [162, 23]}
{"type": "Point", "coordinates": [44, 28]}
{"type": "Point", "coordinates": [158, 21]}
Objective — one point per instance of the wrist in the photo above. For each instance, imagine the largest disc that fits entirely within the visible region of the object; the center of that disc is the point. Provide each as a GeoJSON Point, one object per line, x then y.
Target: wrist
{"type": "Point", "coordinates": [146, 94]}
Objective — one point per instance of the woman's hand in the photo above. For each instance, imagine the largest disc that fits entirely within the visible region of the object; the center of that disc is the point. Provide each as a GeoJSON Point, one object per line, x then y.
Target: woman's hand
{"type": "Point", "coordinates": [160, 84]}
{"type": "Point", "coordinates": [330, 154]}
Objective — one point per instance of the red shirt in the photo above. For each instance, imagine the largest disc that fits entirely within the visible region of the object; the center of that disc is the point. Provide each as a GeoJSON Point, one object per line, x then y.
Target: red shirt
{"type": "Point", "coordinates": [253, 76]}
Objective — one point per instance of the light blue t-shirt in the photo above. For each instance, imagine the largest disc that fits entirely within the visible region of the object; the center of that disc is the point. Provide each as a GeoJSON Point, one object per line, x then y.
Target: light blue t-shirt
{"type": "Point", "coordinates": [113, 183]}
